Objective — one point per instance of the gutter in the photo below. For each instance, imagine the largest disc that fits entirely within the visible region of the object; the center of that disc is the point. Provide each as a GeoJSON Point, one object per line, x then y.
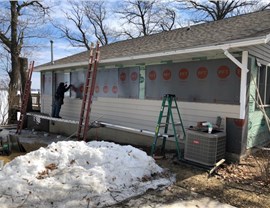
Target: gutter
{"type": "Point", "coordinates": [232, 44]}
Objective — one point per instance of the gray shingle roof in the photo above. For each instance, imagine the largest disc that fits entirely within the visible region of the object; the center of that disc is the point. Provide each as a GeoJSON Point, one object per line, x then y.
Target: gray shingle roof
{"type": "Point", "coordinates": [241, 27]}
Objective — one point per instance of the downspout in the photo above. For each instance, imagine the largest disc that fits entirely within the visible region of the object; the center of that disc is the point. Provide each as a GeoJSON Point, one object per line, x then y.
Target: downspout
{"type": "Point", "coordinates": [243, 84]}
{"type": "Point", "coordinates": [52, 61]}
{"type": "Point", "coordinates": [53, 78]}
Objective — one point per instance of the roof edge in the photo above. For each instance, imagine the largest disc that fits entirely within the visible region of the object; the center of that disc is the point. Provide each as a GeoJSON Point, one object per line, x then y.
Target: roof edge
{"type": "Point", "coordinates": [225, 46]}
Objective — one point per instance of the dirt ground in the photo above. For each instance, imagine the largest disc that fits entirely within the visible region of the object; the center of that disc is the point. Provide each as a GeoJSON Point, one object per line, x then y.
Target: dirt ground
{"type": "Point", "coordinates": [246, 184]}
{"type": "Point", "coordinates": [239, 185]}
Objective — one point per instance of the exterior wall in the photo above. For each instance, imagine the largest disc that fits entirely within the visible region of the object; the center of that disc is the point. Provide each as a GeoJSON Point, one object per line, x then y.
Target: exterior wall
{"type": "Point", "coordinates": [243, 134]}
{"type": "Point", "coordinates": [204, 81]}
{"type": "Point", "coordinates": [236, 132]}
{"type": "Point", "coordinates": [140, 114]}
{"type": "Point", "coordinates": [258, 131]}
{"type": "Point", "coordinates": [46, 104]}
{"type": "Point", "coordinates": [143, 113]}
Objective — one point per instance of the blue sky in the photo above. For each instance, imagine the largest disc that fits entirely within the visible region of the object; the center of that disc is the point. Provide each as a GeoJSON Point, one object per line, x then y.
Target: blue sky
{"type": "Point", "coordinates": [61, 46]}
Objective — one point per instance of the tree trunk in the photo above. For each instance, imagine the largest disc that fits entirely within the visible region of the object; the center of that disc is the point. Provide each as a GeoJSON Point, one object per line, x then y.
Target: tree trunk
{"type": "Point", "coordinates": [13, 100]}
{"type": "Point", "coordinates": [23, 72]}
{"type": "Point", "coordinates": [14, 74]}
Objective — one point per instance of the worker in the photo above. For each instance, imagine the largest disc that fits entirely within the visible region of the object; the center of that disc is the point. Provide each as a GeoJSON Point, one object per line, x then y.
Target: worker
{"type": "Point", "coordinates": [59, 99]}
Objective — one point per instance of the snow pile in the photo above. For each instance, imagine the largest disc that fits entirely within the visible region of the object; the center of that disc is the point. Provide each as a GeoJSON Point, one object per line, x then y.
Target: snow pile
{"type": "Point", "coordinates": [79, 174]}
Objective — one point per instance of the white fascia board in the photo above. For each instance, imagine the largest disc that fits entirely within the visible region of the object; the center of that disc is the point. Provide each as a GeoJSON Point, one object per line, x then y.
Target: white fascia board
{"type": "Point", "coordinates": [51, 67]}
{"type": "Point", "coordinates": [225, 46]}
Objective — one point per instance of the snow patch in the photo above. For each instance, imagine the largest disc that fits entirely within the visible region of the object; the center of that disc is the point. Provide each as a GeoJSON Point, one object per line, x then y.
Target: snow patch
{"type": "Point", "coordinates": [79, 174]}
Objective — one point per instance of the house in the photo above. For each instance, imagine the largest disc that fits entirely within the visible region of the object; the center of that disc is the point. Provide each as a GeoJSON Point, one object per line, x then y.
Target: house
{"type": "Point", "coordinates": [215, 69]}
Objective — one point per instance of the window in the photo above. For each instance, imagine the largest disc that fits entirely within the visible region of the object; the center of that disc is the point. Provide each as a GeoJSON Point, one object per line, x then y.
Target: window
{"type": "Point", "coordinates": [263, 80]}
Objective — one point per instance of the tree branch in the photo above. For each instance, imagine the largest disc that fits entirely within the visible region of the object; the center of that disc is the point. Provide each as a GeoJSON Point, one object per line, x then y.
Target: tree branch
{"type": "Point", "coordinates": [5, 40]}
{"type": "Point", "coordinates": [31, 3]}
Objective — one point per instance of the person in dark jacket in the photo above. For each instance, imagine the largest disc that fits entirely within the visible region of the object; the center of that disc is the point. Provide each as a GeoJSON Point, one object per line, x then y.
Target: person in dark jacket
{"type": "Point", "coordinates": [59, 99]}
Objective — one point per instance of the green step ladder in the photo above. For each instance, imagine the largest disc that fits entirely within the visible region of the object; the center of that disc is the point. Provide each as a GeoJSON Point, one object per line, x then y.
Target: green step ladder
{"type": "Point", "coordinates": [166, 119]}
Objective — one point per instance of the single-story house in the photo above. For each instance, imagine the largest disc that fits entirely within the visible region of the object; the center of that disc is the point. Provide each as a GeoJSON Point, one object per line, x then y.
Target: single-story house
{"type": "Point", "coordinates": [215, 69]}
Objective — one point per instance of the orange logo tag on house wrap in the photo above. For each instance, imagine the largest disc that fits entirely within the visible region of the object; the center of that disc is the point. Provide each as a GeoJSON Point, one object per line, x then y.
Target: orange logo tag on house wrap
{"type": "Point", "coordinates": [105, 89]}
{"type": "Point", "coordinates": [97, 89]}
{"type": "Point", "coordinates": [152, 75]}
{"type": "Point", "coordinates": [239, 122]}
{"type": "Point", "coordinates": [223, 72]}
{"type": "Point", "coordinates": [196, 142]}
{"type": "Point", "coordinates": [81, 88]}
{"type": "Point", "coordinates": [202, 72]}
{"type": "Point", "coordinates": [114, 89]}
{"type": "Point", "coordinates": [167, 74]}
{"type": "Point", "coordinates": [183, 74]}
{"type": "Point", "coordinates": [134, 76]}
{"type": "Point", "coordinates": [238, 72]}
{"type": "Point", "coordinates": [123, 76]}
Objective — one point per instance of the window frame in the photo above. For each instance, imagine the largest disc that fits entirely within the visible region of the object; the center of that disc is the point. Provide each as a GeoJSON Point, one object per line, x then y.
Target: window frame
{"type": "Point", "coordinates": [264, 84]}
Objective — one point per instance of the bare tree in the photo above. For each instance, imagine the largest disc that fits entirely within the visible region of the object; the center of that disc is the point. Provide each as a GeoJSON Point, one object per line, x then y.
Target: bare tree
{"type": "Point", "coordinates": [75, 16]}
{"type": "Point", "coordinates": [168, 20]}
{"type": "Point", "coordinates": [3, 100]}
{"type": "Point", "coordinates": [90, 19]}
{"type": "Point", "coordinates": [13, 33]}
{"type": "Point", "coordinates": [5, 60]}
{"type": "Point", "coordinates": [142, 18]}
{"type": "Point", "coordinates": [216, 10]}
{"type": "Point", "coordinates": [97, 14]}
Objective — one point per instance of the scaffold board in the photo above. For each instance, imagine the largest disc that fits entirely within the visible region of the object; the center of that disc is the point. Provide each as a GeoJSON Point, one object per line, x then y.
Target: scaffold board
{"type": "Point", "coordinates": [52, 118]}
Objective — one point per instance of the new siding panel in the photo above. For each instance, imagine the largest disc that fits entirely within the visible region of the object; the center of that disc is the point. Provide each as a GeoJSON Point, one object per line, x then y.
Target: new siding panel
{"type": "Point", "coordinates": [71, 109]}
{"type": "Point", "coordinates": [46, 104]}
{"type": "Point", "coordinates": [142, 114]}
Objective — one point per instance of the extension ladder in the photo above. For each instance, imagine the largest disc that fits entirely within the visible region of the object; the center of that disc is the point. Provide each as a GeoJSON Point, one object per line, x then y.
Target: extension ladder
{"type": "Point", "coordinates": [88, 93]}
{"type": "Point", "coordinates": [26, 94]}
{"type": "Point", "coordinates": [166, 119]}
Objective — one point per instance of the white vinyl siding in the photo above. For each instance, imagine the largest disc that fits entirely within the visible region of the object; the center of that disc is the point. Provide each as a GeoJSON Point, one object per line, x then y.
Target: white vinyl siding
{"type": "Point", "coordinates": [143, 114]}
{"type": "Point", "coordinates": [261, 51]}
{"type": "Point", "coordinates": [46, 104]}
